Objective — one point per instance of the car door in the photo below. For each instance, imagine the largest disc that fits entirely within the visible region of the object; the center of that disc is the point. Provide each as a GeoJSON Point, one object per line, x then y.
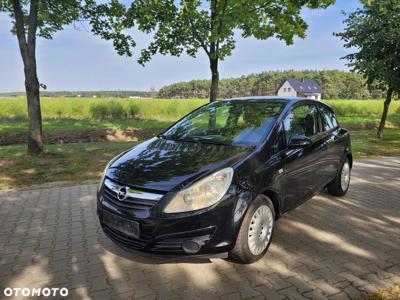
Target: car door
{"type": "Point", "coordinates": [333, 148]}
{"type": "Point", "coordinates": [302, 164]}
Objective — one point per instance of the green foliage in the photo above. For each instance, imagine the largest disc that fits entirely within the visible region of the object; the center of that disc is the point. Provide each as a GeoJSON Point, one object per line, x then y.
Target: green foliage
{"type": "Point", "coordinates": [99, 111]}
{"type": "Point", "coordinates": [112, 109]}
{"type": "Point", "coordinates": [116, 110]}
{"type": "Point", "coordinates": [133, 110]}
{"type": "Point", "coordinates": [336, 84]}
{"type": "Point", "coordinates": [52, 15]}
{"type": "Point", "coordinates": [374, 32]}
{"type": "Point", "coordinates": [190, 25]}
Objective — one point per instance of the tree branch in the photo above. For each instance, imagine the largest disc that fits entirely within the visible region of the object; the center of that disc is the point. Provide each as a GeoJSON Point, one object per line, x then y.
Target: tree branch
{"type": "Point", "coordinates": [221, 18]}
{"type": "Point", "coordinates": [20, 27]}
{"type": "Point", "coordinates": [33, 16]}
{"type": "Point", "coordinates": [212, 21]}
{"type": "Point", "coordinates": [195, 33]}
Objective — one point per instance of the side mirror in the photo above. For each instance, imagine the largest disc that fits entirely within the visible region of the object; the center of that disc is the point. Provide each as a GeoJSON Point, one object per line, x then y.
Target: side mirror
{"type": "Point", "coordinates": [299, 141]}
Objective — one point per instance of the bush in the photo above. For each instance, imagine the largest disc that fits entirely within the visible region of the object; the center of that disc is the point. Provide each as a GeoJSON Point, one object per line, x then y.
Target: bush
{"type": "Point", "coordinates": [107, 110]}
{"type": "Point", "coordinates": [98, 111]}
{"type": "Point", "coordinates": [133, 110]}
{"type": "Point", "coordinates": [116, 110]}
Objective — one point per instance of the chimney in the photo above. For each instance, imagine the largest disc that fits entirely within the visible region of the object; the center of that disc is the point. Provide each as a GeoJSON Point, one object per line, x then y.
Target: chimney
{"type": "Point", "coordinates": [302, 80]}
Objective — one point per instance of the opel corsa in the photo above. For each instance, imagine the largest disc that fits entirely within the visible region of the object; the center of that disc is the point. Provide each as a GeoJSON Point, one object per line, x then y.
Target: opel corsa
{"type": "Point", "coordinates": [218, 179]}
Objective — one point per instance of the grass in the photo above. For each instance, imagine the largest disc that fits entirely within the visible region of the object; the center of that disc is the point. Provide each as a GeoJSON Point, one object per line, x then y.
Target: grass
{"type": "Point", "coordinates": [155, 109]}
{"type": "Point", "coordinates": [75, 163]}
{"type": "Point", "coordinates": [64, 162]}
{"type": "Point", "coordinates": [392, 293]}
{"type": "Point", "coordinates": [50, 125]}
{"type": "Point", "coordinates": [54, 124]}
{"type": "Point", "coordinates": [367, 119]}
{"type": "Point", "coordinates": [90, 108]}
{"type": "Point", "coordinates": [362, 107]}
{"type": "Point", "coordinates": [365, 144]}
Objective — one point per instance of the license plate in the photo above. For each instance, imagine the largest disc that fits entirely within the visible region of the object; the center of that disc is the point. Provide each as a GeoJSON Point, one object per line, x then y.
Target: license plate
{"type": "Point", "coordinates": [127, 227]}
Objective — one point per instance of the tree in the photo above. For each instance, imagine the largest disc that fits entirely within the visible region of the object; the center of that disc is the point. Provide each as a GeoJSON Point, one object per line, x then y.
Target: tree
{"type": "Point", "coordinates": [374, 31]}
{"type": "Point", "coordinates": [211, 26]}
{"type": "Point", "coordinates": [40, 18]}
{"type": "Point", "coordinates": [32, 18]}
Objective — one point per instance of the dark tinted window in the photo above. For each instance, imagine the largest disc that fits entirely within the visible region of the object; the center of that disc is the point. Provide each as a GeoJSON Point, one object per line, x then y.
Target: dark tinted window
{"type": "Point", "coordinates": [328, 118]}
{"type": "Point", "coordinates": [302, 120]}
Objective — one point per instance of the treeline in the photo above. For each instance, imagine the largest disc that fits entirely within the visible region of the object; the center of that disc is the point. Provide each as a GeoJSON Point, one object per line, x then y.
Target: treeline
{"type": "Point", "coordinates": [87, 94]}
{"type": "Point", "coordinates": [336, 84]}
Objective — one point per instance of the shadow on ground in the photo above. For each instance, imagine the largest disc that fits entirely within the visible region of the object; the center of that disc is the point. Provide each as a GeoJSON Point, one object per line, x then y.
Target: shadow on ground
{"type": "Point", "coordinates": [327, 248]}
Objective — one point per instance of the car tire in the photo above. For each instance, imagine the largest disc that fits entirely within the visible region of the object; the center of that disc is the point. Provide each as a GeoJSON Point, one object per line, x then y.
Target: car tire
{"type": "Point", "coordinates": [248, 248]}
{"type": "Point", "coordinates": [340, 185]}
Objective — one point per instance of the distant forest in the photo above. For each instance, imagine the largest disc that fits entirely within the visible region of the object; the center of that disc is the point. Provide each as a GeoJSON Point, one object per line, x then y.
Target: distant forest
{"type": "Point", "coordinates": [87, 94]}
{"type": "Point", "coordinates": [336, 84]}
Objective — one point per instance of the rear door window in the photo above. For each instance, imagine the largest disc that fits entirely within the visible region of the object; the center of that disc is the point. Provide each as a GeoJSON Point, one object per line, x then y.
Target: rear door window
{"type": "Point", "coordinates": [302, 120]}
{"type": "Point", "coordinates": [328, 118]}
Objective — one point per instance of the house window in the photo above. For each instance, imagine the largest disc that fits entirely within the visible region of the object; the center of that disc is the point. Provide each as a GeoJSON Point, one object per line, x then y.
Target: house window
{"type": "Point", "coordinates": [289, 89]}
{"type": "Point", "coordinates": [284, 89]}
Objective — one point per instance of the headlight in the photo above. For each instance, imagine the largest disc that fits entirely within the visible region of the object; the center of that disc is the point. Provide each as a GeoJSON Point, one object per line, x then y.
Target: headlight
{"type": "Point", "coordinates": [203, 193]}
{"type": "Point", "coordinates": [104, 172]}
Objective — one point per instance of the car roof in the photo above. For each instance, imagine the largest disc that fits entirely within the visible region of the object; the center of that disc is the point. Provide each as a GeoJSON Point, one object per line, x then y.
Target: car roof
{"type": "Point", "coordinates": [278, 98]}
{"type": "Point", "coordinates": [290, 101]}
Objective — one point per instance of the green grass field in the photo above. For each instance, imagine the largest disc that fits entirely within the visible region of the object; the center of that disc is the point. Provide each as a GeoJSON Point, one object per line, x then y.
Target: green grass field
{"type": "Point", "coordinates": [90, 108]}
{"type": "Point", "coordinates": [50, 125]}
{"type": "Point", "coordinates": [89, 113]}
{"type": "Point", "coordinates": [155, 109]}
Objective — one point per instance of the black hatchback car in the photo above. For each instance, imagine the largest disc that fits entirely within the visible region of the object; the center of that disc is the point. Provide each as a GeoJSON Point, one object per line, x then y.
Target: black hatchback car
{"type": "Point", "coordinates": [219, 178]}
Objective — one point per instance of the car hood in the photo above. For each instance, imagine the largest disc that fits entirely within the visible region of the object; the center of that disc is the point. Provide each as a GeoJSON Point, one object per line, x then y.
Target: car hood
{"type": "Point", "coordinates": [166, 165]}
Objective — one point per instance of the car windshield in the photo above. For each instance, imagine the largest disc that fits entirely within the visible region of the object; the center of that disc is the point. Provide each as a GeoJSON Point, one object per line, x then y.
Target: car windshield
{"type": "Point", "coordinates": [235, 122]}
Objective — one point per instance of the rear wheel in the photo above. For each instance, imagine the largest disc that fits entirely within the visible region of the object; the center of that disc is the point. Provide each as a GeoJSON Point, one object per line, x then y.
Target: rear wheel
{"type": "Point", "coordinates": [340, 185]}
{"type": "Point", "coordinates": [255, 234]}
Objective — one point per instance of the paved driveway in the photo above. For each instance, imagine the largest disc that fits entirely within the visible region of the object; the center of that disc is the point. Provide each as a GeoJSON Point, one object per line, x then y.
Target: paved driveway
{"type": "Point", "coordinates": [334, 248]}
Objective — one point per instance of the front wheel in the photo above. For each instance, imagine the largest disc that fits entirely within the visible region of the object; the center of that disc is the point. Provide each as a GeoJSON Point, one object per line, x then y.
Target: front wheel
{"type": "Point", "coordinates": [340, 185]}
{"type": "Point", "coordinates": [255, 234]}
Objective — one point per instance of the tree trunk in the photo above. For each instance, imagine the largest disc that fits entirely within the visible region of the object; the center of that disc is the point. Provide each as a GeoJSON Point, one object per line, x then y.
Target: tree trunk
{"type": "Point", "coordinates": [35, 141]}
{"type": "Point", "coordinates": [27, 47]}
{"type": "Point", "coordinates": [212, 122]}
{"type": "Point", "coordinates": [214, 79]}
{"type": "Point", "coordinates": [389, 94]}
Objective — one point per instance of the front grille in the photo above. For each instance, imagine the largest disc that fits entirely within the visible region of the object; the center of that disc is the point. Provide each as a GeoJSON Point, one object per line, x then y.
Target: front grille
{"type": "Point", "coordinates": [125, 240]}
{"type": "Point", "coordinates": [111, 197]}
{"type": "Point", "coordinates": [136, 201]}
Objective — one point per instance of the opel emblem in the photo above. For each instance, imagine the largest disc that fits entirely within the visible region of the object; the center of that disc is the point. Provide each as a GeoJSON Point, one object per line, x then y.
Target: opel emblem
{"type": "Point", "coordinates": [122, 194]}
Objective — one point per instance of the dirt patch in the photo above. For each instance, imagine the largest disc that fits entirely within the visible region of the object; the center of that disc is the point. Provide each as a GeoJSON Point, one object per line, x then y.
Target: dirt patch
{"type": "Point", "coordinates": [6, 163]}
{"type": "Point", "coordinates": [64, 136]}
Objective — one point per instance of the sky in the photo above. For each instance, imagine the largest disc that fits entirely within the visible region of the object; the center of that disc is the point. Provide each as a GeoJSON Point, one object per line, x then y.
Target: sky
{"type": "Point", "coordinates": [76, 60]}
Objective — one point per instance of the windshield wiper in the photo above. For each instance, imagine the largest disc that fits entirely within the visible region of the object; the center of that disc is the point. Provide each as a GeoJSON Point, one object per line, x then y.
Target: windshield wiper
{"type": "Point", "coordinates": [170, 138]}
{"type": "Point", "coordinates": [205, 140]}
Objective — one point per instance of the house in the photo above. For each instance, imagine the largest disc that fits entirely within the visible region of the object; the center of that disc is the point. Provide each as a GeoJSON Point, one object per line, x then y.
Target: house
{"type": "Point", "coordinates": [304, 87]}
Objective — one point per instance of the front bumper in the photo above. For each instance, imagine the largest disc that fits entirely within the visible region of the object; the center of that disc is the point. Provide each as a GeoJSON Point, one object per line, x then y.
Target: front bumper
{"type": "Point", "coordinates": [208, 232]}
